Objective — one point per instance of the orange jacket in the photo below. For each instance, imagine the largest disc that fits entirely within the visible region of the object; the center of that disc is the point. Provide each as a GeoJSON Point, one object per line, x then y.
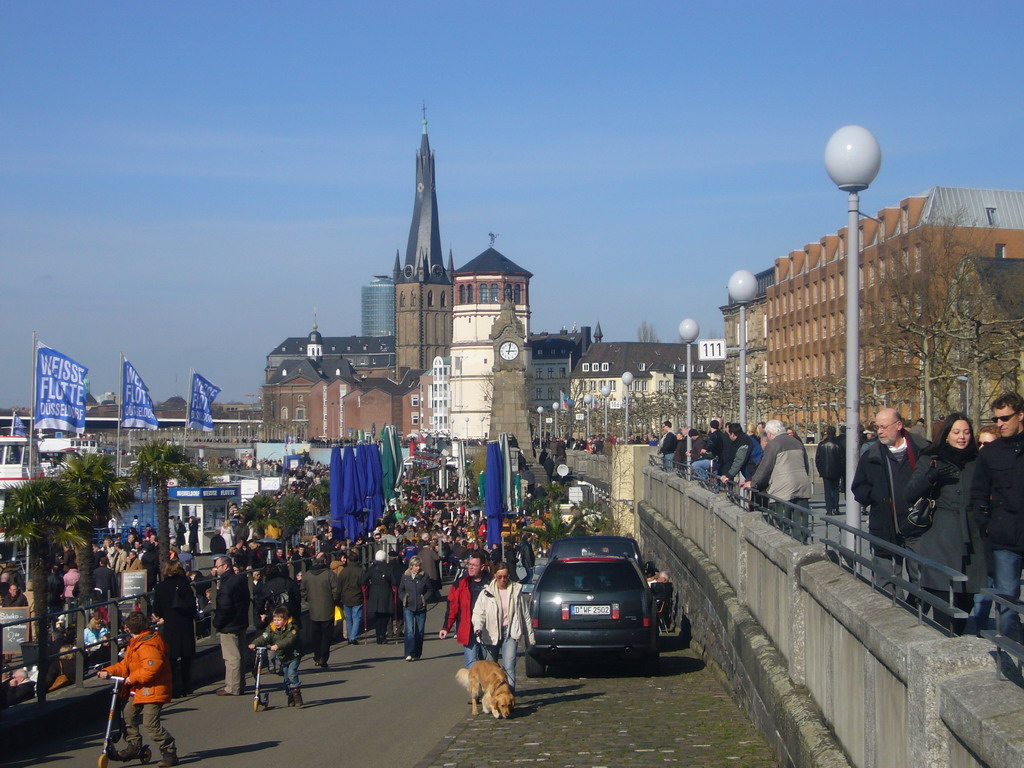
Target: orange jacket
{"type": "Point", "coordinates": [145, 662]}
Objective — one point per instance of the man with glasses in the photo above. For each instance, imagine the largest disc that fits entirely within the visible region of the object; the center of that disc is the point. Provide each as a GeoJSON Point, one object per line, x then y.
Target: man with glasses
{"type": "Point", "coordinates": [231, 621]}
{"type": "Point", "coordinates": [883, 472]}
{"type": "Point", "coordinates": [997, 502]}
{"type": "Point", "coordinates": [462, 599]}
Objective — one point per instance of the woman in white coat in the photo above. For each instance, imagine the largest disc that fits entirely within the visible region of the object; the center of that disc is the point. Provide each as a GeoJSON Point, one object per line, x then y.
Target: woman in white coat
{"type": "Point", "coordinates": [502, 618]}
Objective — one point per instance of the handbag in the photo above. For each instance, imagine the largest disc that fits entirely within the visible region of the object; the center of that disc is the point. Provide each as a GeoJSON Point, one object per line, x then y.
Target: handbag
{"type": "Point", "coordinates": [919, 517]}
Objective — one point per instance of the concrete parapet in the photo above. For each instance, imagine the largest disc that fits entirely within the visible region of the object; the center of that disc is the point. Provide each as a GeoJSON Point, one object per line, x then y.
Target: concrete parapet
{"type": "Point", "coordinates": [830, 669]}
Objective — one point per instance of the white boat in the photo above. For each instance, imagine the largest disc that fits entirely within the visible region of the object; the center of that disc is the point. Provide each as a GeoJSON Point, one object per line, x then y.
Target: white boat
{"type": "Point", "coordinates": [13, 461]}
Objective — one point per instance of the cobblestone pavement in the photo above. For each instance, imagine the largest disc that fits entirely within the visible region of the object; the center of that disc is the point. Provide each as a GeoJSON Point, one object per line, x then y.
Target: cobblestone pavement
{"type": "Point", "coordinates": [608, 716]}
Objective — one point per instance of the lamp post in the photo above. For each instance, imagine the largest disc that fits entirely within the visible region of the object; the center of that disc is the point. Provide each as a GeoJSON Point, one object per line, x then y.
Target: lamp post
{"type": "Point", "coordinates": [627, 380]}
{"type": "Point", "coordinates": [482, 435]}
{"type": "Point", "coordinates": [606, 392]}
{"type": "Point", "coordinates": [742, 289]}
{"type": "Point", "coordinates": [540, 425]}
{"type": "Point", "coordinates": [967, 393]}
{"type": "Point", "coordinates": [587, 400]}
{"type": "Point", "coordinates": [689, 330]}
{"type": "Point", "coordinates": [852, 159]}
{"type": "Point", "coordinates": [467, 427]}
{"type": "Point", "coordinates": [554, 408]}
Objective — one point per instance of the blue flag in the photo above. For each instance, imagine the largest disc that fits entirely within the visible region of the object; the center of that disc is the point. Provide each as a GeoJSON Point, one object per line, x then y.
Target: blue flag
{"type": "Point", "coordinates": [136, 404]}
{"type": "Point", "coordinates": [17, 425]}
{"type": "Point", "coordinates": [200, 403]}
{"type": "Point", "coordinates": [60, 391]}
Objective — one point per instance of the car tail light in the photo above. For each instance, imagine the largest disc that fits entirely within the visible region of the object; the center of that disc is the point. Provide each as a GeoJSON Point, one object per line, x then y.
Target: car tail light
{"type": "Point", "coordinates": [647, 621]}
{"type": "Point", "coordinates": [615, 611]}
{"type": "Point", "coordinates": [536, 622]}
{"type": "Point", "coordinates": [565, 613]}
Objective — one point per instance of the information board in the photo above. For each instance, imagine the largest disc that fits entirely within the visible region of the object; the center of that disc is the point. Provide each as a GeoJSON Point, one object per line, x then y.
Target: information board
{"type": "Point", "coordinates": [133, 583]}
{"type": "Point", "coordinates": [711, 349]}
{"type": "Point", "coordinates": [16, 634]}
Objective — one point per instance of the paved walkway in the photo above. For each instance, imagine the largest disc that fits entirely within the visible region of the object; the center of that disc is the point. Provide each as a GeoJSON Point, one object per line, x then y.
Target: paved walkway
{"type": "Point", "coordinates": [608, 715]}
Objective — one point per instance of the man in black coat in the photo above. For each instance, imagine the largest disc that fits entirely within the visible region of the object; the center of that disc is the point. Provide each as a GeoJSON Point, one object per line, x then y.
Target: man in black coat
{"type": "Point", "coordinates": [667, 446]}
{"type": "Point", "coordinates": [882, 475]}
{"type": "Point", "coordinates": [830, 461]}
{"type": "Point", "coordinates": [231, 620]}
{"type": "Point", "coordinates": [104, 579]}
{"type": "Point", "coordinates": [997, 503]}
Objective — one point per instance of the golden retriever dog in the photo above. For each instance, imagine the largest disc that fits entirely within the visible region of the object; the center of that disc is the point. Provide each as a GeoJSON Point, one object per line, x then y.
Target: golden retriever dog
{"type": "Point", "coordinates": [487, 682]}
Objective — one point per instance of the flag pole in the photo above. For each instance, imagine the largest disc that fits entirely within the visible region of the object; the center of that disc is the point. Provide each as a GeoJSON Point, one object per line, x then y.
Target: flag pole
{"type": "Point", "coordinates": [32, 429]}
{"type": "Point", "coordinates": [120, 414]}
{"type": "Point", "coordinates": [188, 407]}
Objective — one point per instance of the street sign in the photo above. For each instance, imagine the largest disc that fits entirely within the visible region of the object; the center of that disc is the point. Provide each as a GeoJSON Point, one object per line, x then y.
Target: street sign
{"type": "Point", "coordinates": [711, 349]}
{"type": "Point", "coordinates": [549, 420]}
{"type": "Point", "coordinates": [580, 417]}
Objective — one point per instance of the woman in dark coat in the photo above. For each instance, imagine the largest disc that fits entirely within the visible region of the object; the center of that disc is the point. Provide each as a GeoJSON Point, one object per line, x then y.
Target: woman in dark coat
{"type": "Point", "coordinates": [174, 605]}
{"type": "Point", "coordinates": [944, 473]}
{"type": "Point", "coordinates": [380, 595]}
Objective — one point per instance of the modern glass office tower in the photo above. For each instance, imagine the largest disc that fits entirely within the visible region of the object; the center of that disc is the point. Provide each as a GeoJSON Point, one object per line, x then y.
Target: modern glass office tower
{"type": "Point", "coordinates": [379, 307]}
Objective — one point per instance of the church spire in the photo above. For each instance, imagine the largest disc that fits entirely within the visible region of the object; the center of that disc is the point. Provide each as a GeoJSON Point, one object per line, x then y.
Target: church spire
{"type": "Point", "coordinates": [451, 263]}
{"type": "Point", "coordinates": [424, 259]}
{"type": "Point", "coordinates": [597, 333]}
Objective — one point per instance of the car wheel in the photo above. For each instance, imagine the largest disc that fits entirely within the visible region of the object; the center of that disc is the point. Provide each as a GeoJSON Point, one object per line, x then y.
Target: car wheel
{"type": "Point", "coordinates": [651, 664]}
{"type": "Point", "coordinates": [534, 667]}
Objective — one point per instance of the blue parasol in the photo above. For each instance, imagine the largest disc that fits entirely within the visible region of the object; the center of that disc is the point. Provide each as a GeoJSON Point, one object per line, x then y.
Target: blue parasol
{"type": "Point", "coordinates": [349, 499]}
{"type": "Point", "coordinates": [337, 520]}
{"type": "Point", "coordinates": [494, 499]}
{"type": "Point", "coordinates": [375, 493]}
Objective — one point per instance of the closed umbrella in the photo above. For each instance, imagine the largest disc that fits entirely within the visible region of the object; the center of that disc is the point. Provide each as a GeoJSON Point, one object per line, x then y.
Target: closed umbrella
{"type": "Point", "coordinates": [363, 488]}
{"type": "Point", "coordinates": [337, 519]}
{"type": "Point", "coordinates": [391, 461]}
{"type": "Point", "coordinates": [375, 496]}
{"type": "Point", "coordinates": [349, 499]}
{"type": "Point", "coordinates": [494, 498]}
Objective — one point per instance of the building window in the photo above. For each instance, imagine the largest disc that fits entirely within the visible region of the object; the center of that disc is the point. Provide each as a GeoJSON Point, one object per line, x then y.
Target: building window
{"type": "Point", "coordinates": [551, 393]}
{"type": "Point", "coordinates": [1000, 250]}
{"type": "Point", "coordinates": [641, 366]}
{"type": "Point", "coordinates": [990, 215]}
{"type": "Point", "coordinates": [415, 419]}
{"type": "Point", "coordinates": [462, 294]}
{"type": "Point", "coordinates": [517, 294]}
{"type": "Point", "coordinates": [401, 300]}
{"type": "Point", "coordinates": [551, 373]}
{"type": "Point", "coordinates": [540, 393]}
{"type": "Point", "coordinates": [284, 414]}
{"type": "Point", "coordinates": [586, 367]}
{"type": "Point", "coordinates": [495, 296]}
{"type": "Point", "coordinates": [604, 366]}
{"type": "Point", "coordinates": [483, 294]}
{"type": "Point", "coordinates": [300, 414]}
{"type": "Point", "coordinates": [469, 294]}
{"type": "Point", "coordinates": [415, 401]}
{"type": "Point", "coordinates": [430, 298]}
{"type": "Point", "coordinates": [444, 299]}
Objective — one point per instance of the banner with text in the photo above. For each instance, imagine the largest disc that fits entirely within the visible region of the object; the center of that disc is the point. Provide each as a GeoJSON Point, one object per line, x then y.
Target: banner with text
{"type": "Point", "coordinates": [136, 404]}
{"type": "Point", "coordinates": [60, 391]}
{"type": "Point", "coordinates": [200, 404]}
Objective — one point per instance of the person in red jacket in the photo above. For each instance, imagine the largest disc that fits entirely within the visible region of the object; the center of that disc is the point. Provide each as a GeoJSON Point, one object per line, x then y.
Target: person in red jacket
{"type": "Point", "coordinates": [147, 674]}
{"type": "Point", "coordinates": [461, 599]}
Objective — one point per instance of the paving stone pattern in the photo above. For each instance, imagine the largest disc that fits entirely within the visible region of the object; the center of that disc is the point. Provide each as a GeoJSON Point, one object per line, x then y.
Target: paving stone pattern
{"type": "Point", "coordinates": [608, 716]}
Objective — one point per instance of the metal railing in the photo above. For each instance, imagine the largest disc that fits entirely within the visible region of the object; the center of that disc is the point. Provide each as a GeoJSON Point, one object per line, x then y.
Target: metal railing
{"type": "Point", "coordinates": [87, 658]}
{"type": "Point", "coordinates": [874, 561]}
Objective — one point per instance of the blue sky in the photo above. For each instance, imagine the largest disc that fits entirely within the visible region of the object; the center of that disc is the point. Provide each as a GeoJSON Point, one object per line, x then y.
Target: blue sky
{"type": "Point", "coordinates": [183, 182]}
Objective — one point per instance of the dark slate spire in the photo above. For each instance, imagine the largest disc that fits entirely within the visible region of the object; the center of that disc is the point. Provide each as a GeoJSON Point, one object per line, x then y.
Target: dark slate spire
{"type": "Point", "coordinates": [597, 333]}
{"type": "Point", "coordinates": [451, 262]}
{"type": "Point", "coordinates": [398, 265]}
{"type": "Point", "coordinates": [424, 260]}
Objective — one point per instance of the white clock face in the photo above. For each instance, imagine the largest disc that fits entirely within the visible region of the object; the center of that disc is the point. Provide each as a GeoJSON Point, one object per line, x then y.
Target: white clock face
{"type": "Point", "coordinates": [509, 350]}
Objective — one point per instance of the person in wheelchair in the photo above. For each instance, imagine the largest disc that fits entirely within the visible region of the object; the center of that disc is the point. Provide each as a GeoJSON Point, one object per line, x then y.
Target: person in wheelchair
{"type": "Point", "coordinates": [664, 593]}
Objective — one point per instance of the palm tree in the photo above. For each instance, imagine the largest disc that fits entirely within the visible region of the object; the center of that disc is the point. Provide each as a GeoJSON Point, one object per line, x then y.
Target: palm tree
{"type": "Point", "coordinates": [257, 512]}
{"type": "Point", "coordinates": [157, 463]}
{"type": "Point", "coordinates": [43, 516]}
{"type": "Point", "coordinates": [551, 526]}
{"type": "Point", "coordinates": [290, 514]}
{"type": "Point", "coordinates": [93, 482]}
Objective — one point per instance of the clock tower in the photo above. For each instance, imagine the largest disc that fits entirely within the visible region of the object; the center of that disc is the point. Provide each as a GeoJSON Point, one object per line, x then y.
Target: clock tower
{"type": "Point", "coordinates": [508, 401]}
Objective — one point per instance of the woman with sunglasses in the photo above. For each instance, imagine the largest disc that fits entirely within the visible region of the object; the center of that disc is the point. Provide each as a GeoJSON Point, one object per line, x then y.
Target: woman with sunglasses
{"type": "Point", "coordinates": [501, 617]}
{"type": "Point", "coordinates": [944, 473]}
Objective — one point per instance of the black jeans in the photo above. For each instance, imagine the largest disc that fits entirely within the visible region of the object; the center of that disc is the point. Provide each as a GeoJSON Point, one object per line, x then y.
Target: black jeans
{"type": "Point", "coordinates": [181, 676]}
{"type": "Point", "coordinates": [321, 633]}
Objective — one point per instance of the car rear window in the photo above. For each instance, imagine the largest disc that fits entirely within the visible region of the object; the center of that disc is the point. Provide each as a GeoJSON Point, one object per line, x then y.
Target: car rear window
{"type": "Point", "coordinates": [605, 576]}
{"type": "Point", "coordinates": [570, 548]}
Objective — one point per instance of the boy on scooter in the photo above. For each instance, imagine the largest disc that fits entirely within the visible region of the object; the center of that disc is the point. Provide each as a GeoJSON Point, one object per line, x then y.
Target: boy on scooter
{"type": "Point", "coordinates": [282, 637]}
{"type": "Point", "coordinates": [147, 674]}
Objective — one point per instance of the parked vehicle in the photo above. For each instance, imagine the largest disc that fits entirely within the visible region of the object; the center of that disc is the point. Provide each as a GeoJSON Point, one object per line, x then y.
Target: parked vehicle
{"type": "Point", "coordinates": [595, 546]}
{"type": "Point", "coordinates": [592, 608]}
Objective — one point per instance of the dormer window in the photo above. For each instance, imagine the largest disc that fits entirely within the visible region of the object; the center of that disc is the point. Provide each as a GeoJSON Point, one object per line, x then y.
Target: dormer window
{"type": "Point", "coordinates": [641, 366]}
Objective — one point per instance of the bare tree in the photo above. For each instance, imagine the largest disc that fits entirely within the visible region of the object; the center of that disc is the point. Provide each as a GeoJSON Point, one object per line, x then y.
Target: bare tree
{"type": "Point", "coordinates": [647, 333]}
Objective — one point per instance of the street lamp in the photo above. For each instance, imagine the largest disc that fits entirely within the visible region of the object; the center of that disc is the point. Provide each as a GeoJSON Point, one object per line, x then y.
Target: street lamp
{"type": "Point", "coordinates": [627, 380]}
{"type": "Point", "coordinates": [967, 393]}
{"type": "Point", "coordinates": [852, 159]}
{"type": "Point", "coordinates": [742, 289]}
{"type": "Point", "coordinates": [482, 436]}
{"type": "Point", "coordinates": [587, 400]}
{"type": "Point", "coordinates": [689, 330]}
{"type": "Point", "coordinates": [554, 407]}
{"type": "Point", "coordinates": [467, 427]}
{"type": "Point", "coordinates": [540, 427]}
{"type": "Point", "coordinates": [606, 392]}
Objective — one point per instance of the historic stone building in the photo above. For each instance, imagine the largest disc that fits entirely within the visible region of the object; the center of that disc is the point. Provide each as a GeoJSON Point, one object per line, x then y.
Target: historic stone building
{"type": "Point", "coordinates": [479, 288]}
{"type": "Point", "coordinates": [423, 286]}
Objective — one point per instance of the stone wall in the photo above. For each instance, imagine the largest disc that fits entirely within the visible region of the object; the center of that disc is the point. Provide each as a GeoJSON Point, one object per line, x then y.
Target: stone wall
{"type": "Point", "coordinates": [831, 671]}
